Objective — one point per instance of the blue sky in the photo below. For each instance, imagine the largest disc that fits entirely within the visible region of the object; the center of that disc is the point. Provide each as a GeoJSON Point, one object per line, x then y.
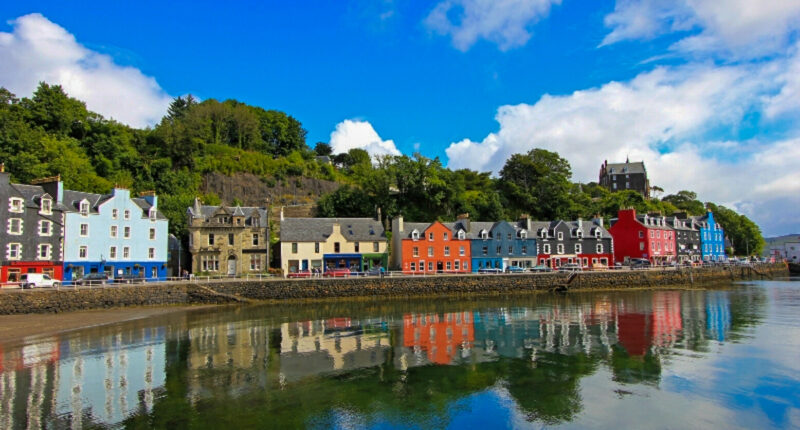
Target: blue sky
{"type": "Point", "coordinates": [699, 90]}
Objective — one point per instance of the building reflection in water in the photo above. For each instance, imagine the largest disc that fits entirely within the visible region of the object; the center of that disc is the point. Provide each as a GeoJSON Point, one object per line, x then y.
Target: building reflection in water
{"type": "Point", "coordinates": [98, 377]}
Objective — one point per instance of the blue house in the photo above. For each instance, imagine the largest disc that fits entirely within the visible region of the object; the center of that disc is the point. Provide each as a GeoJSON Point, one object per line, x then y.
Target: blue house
{"type": "Point", "coordinates": [496, 244]}
{"type": "Point", "coordinates": [114, 233]}
{"type": "Point", "coordinates": [712, 237]}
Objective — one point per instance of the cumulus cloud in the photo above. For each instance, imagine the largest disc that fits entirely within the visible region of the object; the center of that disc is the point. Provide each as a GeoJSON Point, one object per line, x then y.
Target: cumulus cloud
{"type": "Point", "coordinates": [662, 117]}
{"type": "Point", "coordinates": [40, 50]}
{"type": "Point", "coordinates": [742, 28]}
{"type": "Point", "coordinates": [504, 22]}
{"type": "Point", "coordinates": [351, 134]}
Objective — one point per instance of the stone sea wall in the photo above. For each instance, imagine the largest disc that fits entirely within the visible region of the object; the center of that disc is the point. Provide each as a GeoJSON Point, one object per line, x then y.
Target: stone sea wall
{"type": "Point", "coordinates": [235, 291]}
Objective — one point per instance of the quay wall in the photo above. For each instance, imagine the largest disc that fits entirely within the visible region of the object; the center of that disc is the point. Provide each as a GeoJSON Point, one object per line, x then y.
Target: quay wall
{"type": "Point", "coordinates": [238, 291]}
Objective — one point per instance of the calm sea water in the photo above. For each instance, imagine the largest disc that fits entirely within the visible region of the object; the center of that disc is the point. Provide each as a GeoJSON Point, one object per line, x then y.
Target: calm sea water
{"type": "Point", "coordinates": [721, 358]}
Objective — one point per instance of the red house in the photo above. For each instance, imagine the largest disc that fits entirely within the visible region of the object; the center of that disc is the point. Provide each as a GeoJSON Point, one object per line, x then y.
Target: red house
{"type": "Point", "coordinates": [644, 236]}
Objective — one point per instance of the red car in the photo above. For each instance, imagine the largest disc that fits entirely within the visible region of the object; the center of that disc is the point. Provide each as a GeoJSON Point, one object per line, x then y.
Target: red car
{"type": "Point", "coordinates": [300, 274]}
{"type": "Point", "coordinates": [339, 272]}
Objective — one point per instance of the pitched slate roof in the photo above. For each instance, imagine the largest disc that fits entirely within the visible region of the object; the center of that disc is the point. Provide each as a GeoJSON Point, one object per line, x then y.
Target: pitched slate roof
{"type": "Point", "coordinates": [636, 167]}
{"type": "Point", "coordinates": [409, 227]}
{"type": "Point", "coordinates": [72, 202]}
{"type": "Point", "coordinates": [587, 228]}
{"type": "Point", "coordinates": [475, 228]}
{"type": "Point", "coordinates": [207, 212]}
{"type": "Point", "coordinates": [33, 194]}
{"type": "Point", "coordinates": [680, 224]}
{"type": "Point", "coordinates": [319, 229]}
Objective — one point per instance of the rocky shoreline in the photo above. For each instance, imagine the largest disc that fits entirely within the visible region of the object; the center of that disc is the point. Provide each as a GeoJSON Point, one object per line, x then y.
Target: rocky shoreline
{"type": "Point", "coordinates": [241, 291]}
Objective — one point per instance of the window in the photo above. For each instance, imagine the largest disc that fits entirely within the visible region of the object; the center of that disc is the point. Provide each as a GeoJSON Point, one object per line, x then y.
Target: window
{"type": "Point", "coordinates": [641, 246]}
{"type": "Point", "coordinates": [597, 233]}
{"type": "Point", "coordinates": [114, 213]}
{"type": "Point", "coordinates": [579, 234]}
{"type": "Point", "coordinates": [255, 262]}
{"type": "Point", "coordinates": [112, 253]}
{"type": "Point", "coordinates": [113, 231]}
{"type": "Point", "coordinates": [152, 234]}
{"type": "Point", "coordinates": [578, 248]}
{"type": "Point", "coordinates": [126, 232]}
{"type": "Point", "coordinates": [499, 250]}
{"type": "Point", "coordinates": [658, 234]}
{"type": "Point", "coordinates": [465, 265]}
{"type": "Point", "coordinates": [599, 248]}
{"type": "Point", "coordinates": [524, 249]}
{"type": "Point", "coordinates": [294, 247]}
{"type": "Point", "coordinates": [415, 251]}
{"type": "Point", "coordinates": [456, 265]}
{"type": "Point", "coordinates": [446, 236]}
{"type": "Point", "coordinates": [45, 228]}
{"type": "Point", "coordinates": [547, 248]}
{"type": "Point", "coordinates": [485, 250]}
{"type": "Point", "coordinates": [44, 252]}
{"type": "Point", "coordinates": [47, 206]}
{"type": "Point", "coordinates": [447, 251]}
{"type": "Point", "coordinates": [484, 234]}
{"type": "Point", "coordinates": [356, 247]}
{"type": "Point", "coordinates": [641, 234]}
{"type": "Point", "coordinates": [510, 250]}
{"type": "Point", "coordinates": [211, 239]}
{"type": "Point", "coordinates": [560, 248]}
{"type": "Point", "coordinates": [153, 213]}
{"type": "Point", "coordinates": [461, 251]}
{"type": "Point", "coordinates": [615, 185]}
{"type": "Point", "coordinates": [83, 252]}
{"type": "Point", "coordinates": [415, 235]}
{"type": "Point", "coordinates": [316, 247]}
{"type": "Point", "coordinates": [627, 184]}
{"type": "Point", "coordinates": [127, 214]}
{"type": "Point", "coordinates": [376, 247]}
{"type": "Point", "coordinates": [84, 230]}
{"type": "Point", "coordinates": [543, 233]}
{"type": "Point", "coordinates": [523, 234]}
{"type": "Point", "coordinates": [85, 208]}
{"type": "Point", "coordinates": [336, 247]}
{"type": "Point", "coordinates": [14, 226]}
{"type": "Point", "coordinates": [430, 251]}
{"type": "Point", "coordinates": [430, 236]}
{"type": "Point", "coordinates": [230, 239]}
{"type": "Point", "coordinates": [15, 205]}
{"type": "Point", "coordinates": [430, 266]}
{"type": "Point", "coordinates": [560, 235]}
{"type": "Point", "coordinates": [13, 251]}
{"type": "Point", "coordinates": [151, 253]}
{"type": "Point", "coordinates": [461, 235]}
{"type": "Point", "coordinates": [255, 239]}
{"type": "Point", "coordinates": [209, 263]}
{"type": "Point", "coordinates": [508, 236]}
{"type": "Point", "coordinates": [448, 266]}
{"type": "Point", "coordinates": [652, 234]}
{"type": "Point", "coordinates": [126, 252]}
{"type": "Point", "coordinates": [413, 266]}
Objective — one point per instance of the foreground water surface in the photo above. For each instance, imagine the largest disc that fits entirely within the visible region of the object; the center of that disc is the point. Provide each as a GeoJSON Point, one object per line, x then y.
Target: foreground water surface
{"type": "Point", "coordinates": [721, 358]}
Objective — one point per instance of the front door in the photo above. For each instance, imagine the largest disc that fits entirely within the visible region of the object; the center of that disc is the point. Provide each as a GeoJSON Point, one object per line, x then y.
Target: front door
{"type": "Point", "coordinates": [439, 267]}
{"type": "Point", "coordinates": [231, 266]}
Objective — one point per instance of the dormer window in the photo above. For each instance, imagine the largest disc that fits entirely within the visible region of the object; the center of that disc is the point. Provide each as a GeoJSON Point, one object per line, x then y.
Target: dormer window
{"type": "Point", "coordinates": [153, 214]}
{"type": "Point", "coordinates": [415, 235]}
{"type": "Point", "coordinates": [543, 233]}
{"type": "Point", "coordinates": [523, 234]}
{"type": "Point", "coordinates": [85, 208]}
{"type": "Point", "coordinates": [47, 206]}
{"type": "Point", "coordinates": [597, 233]}
{"type": "Point", "coordinates": [579, 234]}
{"type": "Point", "coordinates": [15, 205]}
{"type": "Point", "coordinates": [484, 234]}
{"type": "Point", "coordinates": [461, 235]}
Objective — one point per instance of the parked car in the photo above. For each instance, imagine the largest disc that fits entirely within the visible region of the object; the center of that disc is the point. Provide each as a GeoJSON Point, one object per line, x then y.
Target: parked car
{"type": "Point", "coordinates": [300, 274]}
{"type": "Point", "coordinates": [541, 268]}
{"type": "Point", "coordinates": [128, 278]}
{"type": "Point", "coordinates": [490, 270]}
{"type": "Point", "coordinates": [599, 266]}
{"type": "Point", "coordinates": [93, 279]}
{"type": "Point", "coordinates": [375, 271]}
{"type": "Point", "coordinates": [515, 269]}
{"type": "Point", "coordinates": [38, 280]}
{"type": "Point", "coordinates": [639, 263]}
{"type": "Point", "coordinates": [338, 272]}
{"type": "Point", "coordinates": [570, 267]}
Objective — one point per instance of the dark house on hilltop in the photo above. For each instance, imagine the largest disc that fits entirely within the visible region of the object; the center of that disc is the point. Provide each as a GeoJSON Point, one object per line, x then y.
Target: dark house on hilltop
{"type": "Point", "coordinates": [625, 176]}
{"type": "Point", "coordinates": [32, 233]}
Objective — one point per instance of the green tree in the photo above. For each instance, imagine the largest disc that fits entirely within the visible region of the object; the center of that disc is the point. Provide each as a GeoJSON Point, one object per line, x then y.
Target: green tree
{"type": "Point", "coordinates": [323, 149]}
{"type": "Point", "coordinates": [536, 183]}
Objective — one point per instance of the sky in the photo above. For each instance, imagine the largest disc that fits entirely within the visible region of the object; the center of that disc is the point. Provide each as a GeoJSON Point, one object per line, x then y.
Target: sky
{"type": "Point", "coordinates": [705, 92]}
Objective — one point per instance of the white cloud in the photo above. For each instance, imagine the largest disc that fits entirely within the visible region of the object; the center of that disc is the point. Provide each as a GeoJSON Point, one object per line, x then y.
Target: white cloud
{"type": "Point", "coordinates": [741, 28]}
{"type": "Point", "coordinates": [660, 117]}
{"type": "Point", "coordinates": [504, 22]}
{"type": "Point", "coordinates": [351, 134]}
{"type": "Point", "coordinates": [40, 50]}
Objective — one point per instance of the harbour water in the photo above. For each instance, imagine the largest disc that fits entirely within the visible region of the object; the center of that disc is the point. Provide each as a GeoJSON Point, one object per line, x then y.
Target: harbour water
{"type": "Point", "coordinates": [718, 358]}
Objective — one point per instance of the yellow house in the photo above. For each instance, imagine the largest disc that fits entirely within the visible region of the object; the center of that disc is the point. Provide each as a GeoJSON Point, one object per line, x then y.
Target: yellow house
{"type": "Point", "coordinates": [320, 244]}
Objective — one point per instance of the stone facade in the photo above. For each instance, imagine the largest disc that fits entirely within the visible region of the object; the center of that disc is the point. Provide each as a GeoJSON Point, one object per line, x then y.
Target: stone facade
{"type": "Point", "coordinates": [625, 176]}
{"type": "Point", "coordinates": [228, 240]}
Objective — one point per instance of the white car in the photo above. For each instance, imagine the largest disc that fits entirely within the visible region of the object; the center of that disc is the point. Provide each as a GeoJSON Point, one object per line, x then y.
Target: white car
{"type": "Point", "coordinates": [38, 280]}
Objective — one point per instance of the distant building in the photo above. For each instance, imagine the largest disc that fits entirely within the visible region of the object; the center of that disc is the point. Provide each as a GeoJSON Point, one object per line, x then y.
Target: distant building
{"type": "Point", "coordinates": [625, 176]}
{"type": "Point", "coordinates": [228, 240]}
{"type": "Point", "coordinates": [788, 250]}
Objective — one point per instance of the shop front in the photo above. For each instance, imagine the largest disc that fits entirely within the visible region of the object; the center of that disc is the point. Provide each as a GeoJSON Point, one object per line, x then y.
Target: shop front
{"type": "Point", "coordinates": [342, 261]}
{"type": "Point", "coordinates": [11, 273]}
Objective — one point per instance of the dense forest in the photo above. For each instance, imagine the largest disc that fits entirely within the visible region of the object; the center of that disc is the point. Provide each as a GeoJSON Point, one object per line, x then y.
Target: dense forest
{"type": "Point", "coordinates": [51, 133]}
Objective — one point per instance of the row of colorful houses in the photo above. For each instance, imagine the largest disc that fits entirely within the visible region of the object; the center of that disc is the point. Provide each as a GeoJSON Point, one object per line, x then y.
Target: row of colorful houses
{"type": "Point", "coordinates": [67, 234]}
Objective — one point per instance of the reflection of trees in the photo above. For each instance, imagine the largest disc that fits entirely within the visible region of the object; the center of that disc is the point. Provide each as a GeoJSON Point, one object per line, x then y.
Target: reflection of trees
{"type": "Point", "coordinates": [635, 369]}
{"type": "Point", "coordinates": [748, 308]}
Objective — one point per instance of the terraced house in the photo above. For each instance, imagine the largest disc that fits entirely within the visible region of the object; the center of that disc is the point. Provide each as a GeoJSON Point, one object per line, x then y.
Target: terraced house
{"type": "Point", "coordinates": [228, 240]}
{"type": "Point", "coordinates": [31, 234]}
{"type": "Point", "coordinates": [429, 247]}
{"type": "Point", "coordinates": [114, 233]}
{"type": "Point", "coordinates": [648, 237]}
{"type": "Point", "coordinates": [712, 237]}
{"type": "Point", "coordinates": [321, 244]}
{"type": "Point", "coordinates": [498, 244]}
{"type": "Point", "coordinates": [687, 237]}
{"type": "Point", "coordinates": [586, 243]}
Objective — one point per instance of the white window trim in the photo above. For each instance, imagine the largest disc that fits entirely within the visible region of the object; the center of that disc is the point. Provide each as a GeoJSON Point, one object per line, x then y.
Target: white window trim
{"type": "Point", "coordinates": [21, 227]}
{"type": "Point", "coordinates": [546, 249]}
{"type": "Point", "coordinates": [114, 213]}
{"type": "Point", "coordinates": [80, 230]}
{"type": "Point", "coordinates": [112, 253]}
{"type": "Point", "coordinates": [560, 235]}
{"type": "Point", "coordinates": [126, 232]}
{"type": "Point", "coordinates": [126, 214]}
{"type": "Point", "coordinates": [151, 253]}
{"type": "Point", "coordinates": [39, 251]}
{"type": "Point", "coordinates": [84, 204]}
{"type": "Point", "coordinates": [151, 234]}
{"type": "Point", "coordinates": [560, 248]}
{"type": "Point", "coordinates": [85, 257]}
{"type": "Point", "coordinates": [18, 200]}
{"type": "Point", "coordinates": [49, 230]}
{"type": "Point", "coordinates": [42, 207]}
{"type": "Point", "coordinates": [152, 214]}
{"type": "Point", "coordinates": [19, 251]}
{"type": "Point", "coordinates": [578, 248]}
{"type": "Point", "coordinates": [599, 248]}
{"type": "Point", "coordinates": [113, 231]}
{"type": "Point", "coordinates": [126, 252]}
